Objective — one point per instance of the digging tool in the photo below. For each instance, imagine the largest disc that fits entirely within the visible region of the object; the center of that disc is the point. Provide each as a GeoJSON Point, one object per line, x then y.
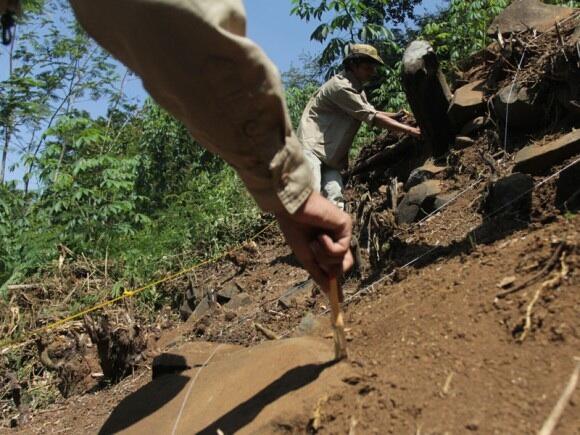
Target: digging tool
{"type": "Point", "coordinates": [337, 321]}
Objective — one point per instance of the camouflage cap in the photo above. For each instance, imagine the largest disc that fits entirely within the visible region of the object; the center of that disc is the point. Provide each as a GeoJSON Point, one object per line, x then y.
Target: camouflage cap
{"type": "Point", "coordinates": [357, 51]}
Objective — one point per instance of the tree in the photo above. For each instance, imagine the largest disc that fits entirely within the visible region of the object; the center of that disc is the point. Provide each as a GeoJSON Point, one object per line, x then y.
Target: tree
{"type": "Point", "coordinates": [353, 21]}
{"type": "Point", "coordinates": [52, 66]}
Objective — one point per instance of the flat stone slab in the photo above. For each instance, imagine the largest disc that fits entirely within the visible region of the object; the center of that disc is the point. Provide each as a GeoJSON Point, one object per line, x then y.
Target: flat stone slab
{"type": "Point", "coordinates": [236, 391]}
{"type": "Point", "coordinates": [467, 103]}
{"type": "Point", "coordinates": [538, 159]}
{"type": "Point", "coordinates": [528, 14]}
{"type": "Point", "coordinates": [423, 173]}
{"type": "Point", "coordinates": [418, 199]}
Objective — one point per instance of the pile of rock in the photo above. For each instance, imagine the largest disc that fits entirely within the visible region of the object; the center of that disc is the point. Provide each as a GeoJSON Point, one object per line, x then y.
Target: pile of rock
{"type": "Point", "coordinates": [516, 104]}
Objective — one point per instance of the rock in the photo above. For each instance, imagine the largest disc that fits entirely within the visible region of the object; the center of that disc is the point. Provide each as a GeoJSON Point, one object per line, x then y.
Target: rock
{"type": "Point", "coordinates": [191, 299]}
{"type": "Point", "coordinates": [467, 103]}
{"type": "Point", "coordinates": [202, 308]}
{"type": "Point", "coordinates": [225, 294]}
{"type": "Point", "coordinates": [419, 200]}
{"type": "Point", "coordinates": [473, 427]}
{"type": "Point", "coordinates": [538, 159]}
{"type": "Point", "coordinates": [428, 95]}
{"type": "Point", "coordinates": [528, 14]}
{"type": "Point", "coordinates": [296, 292]}
{"type": "Point", "coordinates": [472, 126]}
{"type": "Point", "coordinates": [568, 189]}
{"type": "Point", "coordinates": [508, 281]}
{"type": "Point", "coordinates": [238, 301]}
{"type": "Point", "coordinates": [523, 114]}
{"type": "Point", "coordinates": [310, 325]}
{"type": "Point", "coordinates": [511, 194]}
{"type": "Point", "coordinates": [423, 173]}
{"type": "Point", "coordinates": [168, 363]}
{"type": "Point", "coordinates": [245, 390]}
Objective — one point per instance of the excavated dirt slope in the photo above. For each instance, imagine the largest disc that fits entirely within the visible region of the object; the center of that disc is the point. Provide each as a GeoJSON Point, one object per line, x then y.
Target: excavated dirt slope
{"type": "Point", "coordinates": [463, 314]}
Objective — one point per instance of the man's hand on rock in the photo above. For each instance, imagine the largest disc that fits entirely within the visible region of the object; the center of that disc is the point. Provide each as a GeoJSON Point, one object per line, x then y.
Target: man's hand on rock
{"type": "Point", "coordinates": [319, 233]}
{"type": "Point", "coordinates": [415, 132]}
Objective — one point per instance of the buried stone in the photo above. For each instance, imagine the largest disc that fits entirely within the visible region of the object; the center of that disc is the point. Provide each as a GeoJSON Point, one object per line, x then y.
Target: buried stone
{"type": "Point", "coordinates": [423, 173]}
{"type": "Point", "coordinates": [517, 105]}
{"type": "Point", "coordinates": [568, 189]}
{"type": "Point", "coordinates": [418, 201]}
{"type": "Point", "coordinates": [509, 195]}
{"type": "Point", "coordinates": [467, 104]}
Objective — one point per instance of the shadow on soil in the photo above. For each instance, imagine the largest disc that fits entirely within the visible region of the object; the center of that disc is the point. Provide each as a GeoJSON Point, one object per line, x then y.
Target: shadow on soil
{"type": "Point", "coordinates": [153, 396]}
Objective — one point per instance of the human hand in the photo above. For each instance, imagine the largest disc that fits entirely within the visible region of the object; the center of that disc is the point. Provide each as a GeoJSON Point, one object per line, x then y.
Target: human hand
{"type": "Point", "coordinates": [319, 233]}
{"type": "Point", "coordinates": [415, 132]}
{"type": "Point", "coordinates": [400, 115]}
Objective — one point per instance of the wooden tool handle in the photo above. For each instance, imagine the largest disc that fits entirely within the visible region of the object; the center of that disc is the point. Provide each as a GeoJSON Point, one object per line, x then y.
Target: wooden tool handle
{"type": "Point", "coordinates": [334, 302]}
{"type": "Point", "coordinates": [337, 322]}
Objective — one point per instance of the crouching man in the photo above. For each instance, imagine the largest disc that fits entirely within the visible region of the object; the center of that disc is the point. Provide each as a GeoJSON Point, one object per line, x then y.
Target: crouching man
{"type": "Point", "coordinates": [333, 116]}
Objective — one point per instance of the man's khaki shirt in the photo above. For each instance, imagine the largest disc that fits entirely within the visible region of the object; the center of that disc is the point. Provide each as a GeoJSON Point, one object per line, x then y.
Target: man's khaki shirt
{"type": "Point", "coordinates": [332, 118]}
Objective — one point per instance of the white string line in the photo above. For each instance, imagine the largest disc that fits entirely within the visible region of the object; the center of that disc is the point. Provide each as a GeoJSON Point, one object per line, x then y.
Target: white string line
{"type": "Point", "coordinates": [191, 384]}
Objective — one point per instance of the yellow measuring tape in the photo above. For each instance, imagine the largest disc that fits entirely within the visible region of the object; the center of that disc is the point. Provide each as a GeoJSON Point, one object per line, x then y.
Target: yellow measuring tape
{"type": "Point", "coordinates": [4, 344]}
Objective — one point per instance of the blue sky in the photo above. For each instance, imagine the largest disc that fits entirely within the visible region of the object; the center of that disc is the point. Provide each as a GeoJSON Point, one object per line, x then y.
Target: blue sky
{"type": "Point", "coordinates": [285, 38]}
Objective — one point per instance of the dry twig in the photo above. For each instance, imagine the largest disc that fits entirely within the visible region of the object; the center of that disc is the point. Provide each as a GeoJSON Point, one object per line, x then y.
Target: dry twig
{"type": "Point", "coordinates": [554, 417]}
{"type": "Point", "coordinates": [549, 265]}
{"type": "Point", "coordinates": [268, 333]}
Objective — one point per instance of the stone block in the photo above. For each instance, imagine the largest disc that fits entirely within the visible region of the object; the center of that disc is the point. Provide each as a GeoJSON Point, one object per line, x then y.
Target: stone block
{"type": "Point", "coordinates": [467, 103]}
{"type": "Point", "coordinates": [522, 112]}
{"type": "Point", "coordinates": [538, 159]}
{"type": "Point", "coordinates": [428, 95]}
{"type": "Point", "coordinates": [511, 194]}
{"type": "Point", "coordinates": [418, 201]}
{"type": "Point", "coordinates": [521, 15]}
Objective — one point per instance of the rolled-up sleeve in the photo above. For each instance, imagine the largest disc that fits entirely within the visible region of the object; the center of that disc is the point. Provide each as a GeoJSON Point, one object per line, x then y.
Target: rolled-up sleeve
{"type": "Point", "coordinates": [195, 61]}
{"type": "Point", "coordinates": [353, 103]}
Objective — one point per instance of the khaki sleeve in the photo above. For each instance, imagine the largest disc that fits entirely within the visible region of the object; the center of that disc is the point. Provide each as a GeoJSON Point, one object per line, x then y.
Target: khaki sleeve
{"type": "Point", "coordinates": [195, 61]}
{"type": "Point", "coordinates": [352, 102]}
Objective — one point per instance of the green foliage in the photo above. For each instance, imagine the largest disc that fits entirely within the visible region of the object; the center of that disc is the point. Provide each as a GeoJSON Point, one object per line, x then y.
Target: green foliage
{"type": "Point", "coordinates": [89, 193]}
{"type": "Point", "coordinates": [352, 21]}
{"type": "Point", "coordinates": [462, 29]}
{"type": "Point", "coordinates": [52, 64]}
{"type": "Point", "coordinates": [297, 98]}
{"type": "Point", "coordinates": [168, 157]}
{"type": "Point", "coordinates": [131, 186]}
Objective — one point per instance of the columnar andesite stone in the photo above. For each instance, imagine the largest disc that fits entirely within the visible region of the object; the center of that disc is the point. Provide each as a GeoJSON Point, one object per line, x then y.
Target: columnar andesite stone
{"type": "Point", "coordinates": [429, 95]}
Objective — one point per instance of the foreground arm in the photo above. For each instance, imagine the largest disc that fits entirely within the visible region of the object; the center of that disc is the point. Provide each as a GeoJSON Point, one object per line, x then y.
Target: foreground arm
{"type": "Point", "coordinates": [196, 62]}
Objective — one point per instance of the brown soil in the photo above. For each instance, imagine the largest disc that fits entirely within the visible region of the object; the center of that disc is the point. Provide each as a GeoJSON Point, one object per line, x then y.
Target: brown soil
{"type": "Point", "coordinates": [435, 352]}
